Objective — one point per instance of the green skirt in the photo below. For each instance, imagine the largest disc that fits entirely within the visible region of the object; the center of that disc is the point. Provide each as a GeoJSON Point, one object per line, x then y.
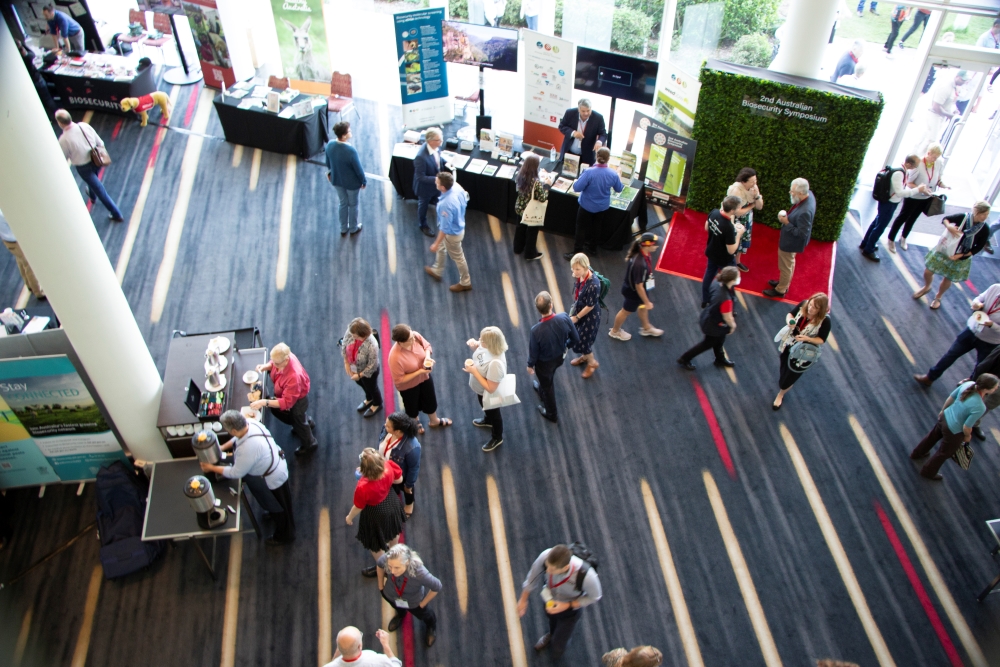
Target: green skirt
{"type": "Point", "coordinates": [954, 270]}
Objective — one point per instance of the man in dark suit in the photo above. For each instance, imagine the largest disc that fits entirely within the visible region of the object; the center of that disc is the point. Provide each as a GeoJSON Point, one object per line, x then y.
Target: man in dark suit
{"type": "Point", "coordinates": [796, 229]}
{"type": "Point", "coordinates": [546, 350]}
{"type": "Point", "coordinates": [426, 166]}
{"type": "Point", "coordinates": [585, 131]}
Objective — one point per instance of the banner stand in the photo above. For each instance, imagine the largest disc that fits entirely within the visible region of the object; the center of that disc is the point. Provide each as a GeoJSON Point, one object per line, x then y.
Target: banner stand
{"type": "Point", "coordinates": [180, 76]}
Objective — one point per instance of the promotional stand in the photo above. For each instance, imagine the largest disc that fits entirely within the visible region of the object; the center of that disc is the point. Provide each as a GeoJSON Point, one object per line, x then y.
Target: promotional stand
{"type": "Point", "coordinates": [482, 120]}
{"type": "Point", "coordinates": [180, 76]}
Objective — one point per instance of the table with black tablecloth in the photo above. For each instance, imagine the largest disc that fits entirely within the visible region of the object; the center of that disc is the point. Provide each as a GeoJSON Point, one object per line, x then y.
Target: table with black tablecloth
{"type": "Point", "coordinates": [259, 128]}
{"type": "Point", "coordinates": [497, 197]}
{"type": "Point", "coordinates": [90, 87]}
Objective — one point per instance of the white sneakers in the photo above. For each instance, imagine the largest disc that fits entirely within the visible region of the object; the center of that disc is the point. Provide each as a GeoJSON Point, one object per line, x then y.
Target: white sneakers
{"type": "Point", "coordinates": [621, 335]}
{"type": "Point", "coordinates": [651, 331]}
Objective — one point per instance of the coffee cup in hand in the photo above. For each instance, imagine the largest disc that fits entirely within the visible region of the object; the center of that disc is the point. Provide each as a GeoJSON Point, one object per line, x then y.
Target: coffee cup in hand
{"type": "Point", "coordinates": [782, 213]}
{"type": "Point", "coordinates": [469, 362]}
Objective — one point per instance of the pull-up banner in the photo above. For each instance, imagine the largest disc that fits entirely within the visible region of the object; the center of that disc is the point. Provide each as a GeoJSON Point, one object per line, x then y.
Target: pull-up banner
{"type": "Point", "coordinates": [423, 77]}
{"type": "Point", "coordinates": [548, 87]}
{"type": "Point", "coordinates": [210, 41]}
{"type": "Point", "coordinates": [302, 39]}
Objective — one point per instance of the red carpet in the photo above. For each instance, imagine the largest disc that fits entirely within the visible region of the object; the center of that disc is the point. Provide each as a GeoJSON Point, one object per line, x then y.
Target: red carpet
{"type": "Point", "coordinates": [683, 254]}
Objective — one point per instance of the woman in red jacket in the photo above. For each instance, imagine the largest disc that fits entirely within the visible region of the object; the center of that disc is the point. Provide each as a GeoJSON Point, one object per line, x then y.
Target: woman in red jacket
{"type": "Point", "coordinates": [381, 512]}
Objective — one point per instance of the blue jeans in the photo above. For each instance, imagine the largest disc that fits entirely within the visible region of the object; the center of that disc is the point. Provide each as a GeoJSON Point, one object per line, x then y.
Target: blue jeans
{"type": "Point", "coordinates": [993, 229]}
{"type": "Point", "coordinates": [88, 173]}
{"type": "Point", "coordinates": [885, 210]}
{"type": "Point", "coordinates": [422, 204]}
{"type": "Point", "coordinates": [964, 343]}
{"type": "Point", "coordinates": [348, 209]}
{"type": "Point", "coordinates": [532, 22]}
{"type": "Point", "coordinates": [710, 272]}
{"type": "Point", "coordinates": [861, 6]}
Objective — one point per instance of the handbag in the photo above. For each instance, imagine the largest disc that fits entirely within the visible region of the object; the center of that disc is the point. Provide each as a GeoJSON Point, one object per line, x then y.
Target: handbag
{"type": "Point", "coordinates": [936, 206]}
{"type": "Point", "coordinates": [802, 356]}
{"type": "Point", "coordinates": [504, 395]}
{"type": "Point", "coordinates": [98, 156]}
{"type": "Point", "coordinates": [534, 212]}
{"type": "Point", "coordinates": [963, 457]}
{"type": "Point", "coordinates": [947, 245]}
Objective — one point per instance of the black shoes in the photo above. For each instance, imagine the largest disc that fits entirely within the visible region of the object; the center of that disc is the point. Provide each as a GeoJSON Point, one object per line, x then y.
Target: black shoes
{"type": "Point", "coordinates": [568, 255]}
{"type": "Point", "coordinates": [978, 433]}
{"type": "Point", "coordinates": [873, 256]}
{"type": "Point", "coordinates": [533, 258]}
{"type": "Point", "coordinates": [362, 407]}
{"type": "Point", "coordinates": [725, 363]}
{"type": "Point", "coordinates": [311, 423]}
{"type": "Point", "coordinates": [431, 637]}
{"type": "Point", "coordinates": [370, 412]}
{"type": "Point", "coordinates": [773, 293]}
{"type": "Point", "coordinates": [278, 543]}
{"type": "Point", "coordinates": [394, 624]}
{"type": "Point", "coordinates": [544, 413]}
{"type": "Point", "coordinates": [370, 573]}
{"type": "Point", "coordinates": [772, 283]}
{"type": "Point", "coordinates": [426, 231]}
{"type": "Point", "coordinates": [685, 364]}
{"type": "Point", "coordinates": [492, 444]}
{"type": "Point", "coordinates": [481, 423]}
{"type": "Point", "coordinates": [543, 643]}
{"type": "Point", "coordinates": [742, 267]}
{"type": "Point", "coordinates": [306, 449]}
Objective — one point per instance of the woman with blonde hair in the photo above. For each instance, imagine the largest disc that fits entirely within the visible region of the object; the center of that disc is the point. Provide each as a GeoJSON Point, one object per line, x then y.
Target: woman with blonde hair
{"type": "Point", "coordinates": [381, 512]}
{"type": "Point", "coordinates": [486, 369]}
{"type": "Point", "coordinates": [951, 258]}
{"type": "Point", "coordinates": [807, 324]}
{"type": "Point", "coordinates": [360, 350]}
{"type": "Point", "coordinates": [411, 588]}
{"type": "Point", "coordinates": [586, 312]}
{"type": "Point", "coordinates": [640, 656]}
{"type": "Point", "coordinates": [290, 402]}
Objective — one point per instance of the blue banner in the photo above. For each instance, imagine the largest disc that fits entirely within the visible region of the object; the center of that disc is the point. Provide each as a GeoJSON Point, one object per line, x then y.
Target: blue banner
{"type": "Point", "coordinates": [423, 76]}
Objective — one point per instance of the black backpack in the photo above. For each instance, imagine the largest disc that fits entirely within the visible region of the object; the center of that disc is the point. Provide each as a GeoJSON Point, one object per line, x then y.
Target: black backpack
{"type": "Point", "coordinates": [882, 190]}
{"type": "Point", "coordinates": [583, 552]}
{"type": "Point", "coordinates": [121, 507]}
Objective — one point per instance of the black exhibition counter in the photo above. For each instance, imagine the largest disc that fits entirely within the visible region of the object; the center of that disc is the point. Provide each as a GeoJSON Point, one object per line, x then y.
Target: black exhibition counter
{"type": "Point", "coordinates": [497, 197]}
{"type": "Point", "coordinates": [101, 82]}
{"type": "Point", "coordinates": [259, 128]}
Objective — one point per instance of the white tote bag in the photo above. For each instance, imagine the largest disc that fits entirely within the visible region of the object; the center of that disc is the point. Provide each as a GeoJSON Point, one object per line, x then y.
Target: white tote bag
{"type": "Point", "coordinates": [504, 395]}
{"type": "Point", "coordinates": [534, 212]}
{"type": "Point", "coordinates": [947, 245]}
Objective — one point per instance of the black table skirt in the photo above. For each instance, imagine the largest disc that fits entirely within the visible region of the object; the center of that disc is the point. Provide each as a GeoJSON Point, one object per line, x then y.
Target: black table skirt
{"type": "Point", "coordinates": [257, 128]}
{"type": "Point", "coordinates": [78, 92]}
{"type": "Point", "coordinates": [497, 197]}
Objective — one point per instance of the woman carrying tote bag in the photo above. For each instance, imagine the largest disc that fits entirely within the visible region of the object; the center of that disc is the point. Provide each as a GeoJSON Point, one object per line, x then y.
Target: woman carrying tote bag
{"type": "Point", "coordinates": [489, 379]}
{"type": "Point", "coordinates": [532, 200]}
{"type": "Point", "coordinates": [965, 235]}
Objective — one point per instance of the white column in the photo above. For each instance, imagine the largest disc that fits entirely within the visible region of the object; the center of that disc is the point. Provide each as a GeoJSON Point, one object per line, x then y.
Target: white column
{"type": "Point", "coordinates": [666, 37]}
{"type": "Point", "coordinates": [547, 17]}
{"type": "Point", "coordinates": [804, 37]}
{"type": "Point", "coordinates": [41, 201]}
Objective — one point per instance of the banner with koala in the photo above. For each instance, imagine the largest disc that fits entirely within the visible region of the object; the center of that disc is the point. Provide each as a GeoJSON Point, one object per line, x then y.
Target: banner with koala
{"type": "Point", "coordinates": [302, 39]}
{"type": "Point", "coordinates": [210, 42]}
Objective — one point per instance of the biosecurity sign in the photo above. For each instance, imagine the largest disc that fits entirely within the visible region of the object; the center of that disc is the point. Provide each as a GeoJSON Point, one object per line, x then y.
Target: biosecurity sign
{"type": "Point", "coordinates": [776, 107]}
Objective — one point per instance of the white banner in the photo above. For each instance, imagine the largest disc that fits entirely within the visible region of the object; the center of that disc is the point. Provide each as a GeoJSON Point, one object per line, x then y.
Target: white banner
{"type": "Point", "coordinates": [549, 70]}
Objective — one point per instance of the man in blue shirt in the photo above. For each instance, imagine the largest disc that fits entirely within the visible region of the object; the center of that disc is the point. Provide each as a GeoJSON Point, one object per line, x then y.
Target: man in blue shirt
{"type": "Point", "coordinates": [61, 26]}
{"type": "Point", "coordinates": [595, 186]}
{"type": "Point", "coordinates": [547, 349]}
{"type": "Point", "coordinates": [451, 231]}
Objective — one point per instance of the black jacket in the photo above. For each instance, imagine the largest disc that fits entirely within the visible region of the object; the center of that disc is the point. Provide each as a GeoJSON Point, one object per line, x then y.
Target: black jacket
{"type": "Point", "coordinates": [592, 132]}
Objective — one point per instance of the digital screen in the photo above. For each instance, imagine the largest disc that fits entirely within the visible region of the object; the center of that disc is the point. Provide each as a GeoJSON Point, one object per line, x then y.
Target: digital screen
{"type": "Point", "coordinates": [484, 45]}
{"type": "Point", "coordinates": [615, 75]}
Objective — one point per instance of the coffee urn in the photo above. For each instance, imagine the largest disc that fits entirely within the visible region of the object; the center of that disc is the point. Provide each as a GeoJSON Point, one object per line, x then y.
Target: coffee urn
{"type": "Point", "coordinates": [206, 448]}
{"type": "Point", "coordinates": [199, 493]}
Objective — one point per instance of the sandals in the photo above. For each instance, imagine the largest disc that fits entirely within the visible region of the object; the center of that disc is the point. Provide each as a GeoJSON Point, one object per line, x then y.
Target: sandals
{"type": "Point", "coordinates": [420, 429]}
{"type": "Point", "coordinates": [935, 304]}
{"type": "Point", "coordinates": [442, 422]}
{"type": "Point", "coordinates": [920, 292]}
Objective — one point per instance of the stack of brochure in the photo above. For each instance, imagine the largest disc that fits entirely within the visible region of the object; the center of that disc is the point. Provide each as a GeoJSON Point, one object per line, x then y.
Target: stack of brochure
{"type": "Point", "coordinates": [507, 171]}
{"type": "Point", "coordinates": [562, 184]}
{"type": "Point", "coordinates": [476, 166]}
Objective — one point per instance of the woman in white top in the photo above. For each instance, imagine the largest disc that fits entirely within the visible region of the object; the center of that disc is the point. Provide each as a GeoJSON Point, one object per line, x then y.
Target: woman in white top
{"type": "Point", "coordinates": [899, 189]}
{"type": "Point", "coordinates": [487, 368]}
{"type": "Point", "coordinates": [928, 172]}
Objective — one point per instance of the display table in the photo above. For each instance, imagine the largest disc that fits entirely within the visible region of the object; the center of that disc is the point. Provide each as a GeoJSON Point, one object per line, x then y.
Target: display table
{"type": "Point", "coordinates": [497, 197]}
{"type": "Point", "coordinates": [169, 515]}
{"type": "Point", "coordinates": [259, 128]}
{"type": "Point", "coordinates": [186, 362]}
{"type": "Point", "coordinates": [97, 81]}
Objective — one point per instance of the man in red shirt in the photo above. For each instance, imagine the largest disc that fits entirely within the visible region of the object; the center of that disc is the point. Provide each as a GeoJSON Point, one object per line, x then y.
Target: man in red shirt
{"type": "Point", "coordinates": [290, 402]}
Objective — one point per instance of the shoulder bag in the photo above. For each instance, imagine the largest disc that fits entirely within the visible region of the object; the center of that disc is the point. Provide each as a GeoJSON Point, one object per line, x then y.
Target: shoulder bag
{"type": "Point", "coordinates": [963, 457]}
{"type": "Point", "coordinates": [534, 212]}
{"type": "Point", "coordinates": [936, 206]}
{"type": "Point", "coordinates": [98, 155]}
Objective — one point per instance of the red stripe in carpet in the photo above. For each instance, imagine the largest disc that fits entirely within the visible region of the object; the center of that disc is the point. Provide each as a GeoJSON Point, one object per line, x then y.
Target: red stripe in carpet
{"type": "Point", "coordinates": [100, 177]}
{"type": "Point", "coordinates": [160, 133]}
{"type": "Point", "coordinates": [118, 128]}
{"type": "Point", "coordinates": [192, 103]}
{"type": "Point", "coordinates": [918, 587]}
{"type": "Point", "coordinates": [683, 255]}
{"type": "Point", "coordinates": [713, 426]}
{"type": "Point", "coordinates": [972, 288]}
{"type": "Point", "coordinates": [388, 389]}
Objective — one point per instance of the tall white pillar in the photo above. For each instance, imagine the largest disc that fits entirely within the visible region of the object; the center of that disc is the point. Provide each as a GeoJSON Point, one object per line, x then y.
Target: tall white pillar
{"type": "Point", "coordinates": [804, 37]}
{"type": "Point", "coordinates": [41, 201]}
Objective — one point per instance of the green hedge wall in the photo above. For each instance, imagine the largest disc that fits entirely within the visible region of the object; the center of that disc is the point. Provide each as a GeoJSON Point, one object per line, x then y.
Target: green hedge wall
{"type": "Point", "coordinates": [828, 154]}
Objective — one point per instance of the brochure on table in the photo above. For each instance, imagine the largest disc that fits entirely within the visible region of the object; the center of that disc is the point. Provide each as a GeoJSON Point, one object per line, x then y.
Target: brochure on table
{"type": "Point", "coordinates": [549, 64]}
{"type": "Point", "coordinates": [423, 77]}
{"type": "Point", "coordinates": [51, 429]}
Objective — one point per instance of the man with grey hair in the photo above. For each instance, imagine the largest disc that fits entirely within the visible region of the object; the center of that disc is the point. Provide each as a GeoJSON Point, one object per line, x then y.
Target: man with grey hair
{"type": "Point", "coordinates": [796, 229]}
{"type": "Point", "coordinates": [259, 461]}
{"type": "Point", "coordinates": [584, 131]}
{"type": "Point", "coordinates": [350, 651]}
{"type": "Point", "coordinates": [426, 166]}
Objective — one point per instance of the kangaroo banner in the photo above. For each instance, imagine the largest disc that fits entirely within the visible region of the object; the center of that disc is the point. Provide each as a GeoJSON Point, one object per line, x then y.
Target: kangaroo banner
{"type": "Point", "coordinates": [302, 39]}
{"type": "Point", "coordinates": [210, 41]}
{"type": "Point", "coordinates": [51, 429]}
{"type": "Point", "coordinates": [423, 79]}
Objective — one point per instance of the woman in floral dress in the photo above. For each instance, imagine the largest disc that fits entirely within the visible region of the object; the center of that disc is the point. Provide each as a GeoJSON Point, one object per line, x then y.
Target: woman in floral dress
{"type": "Point", "coordinates": [586, 312]}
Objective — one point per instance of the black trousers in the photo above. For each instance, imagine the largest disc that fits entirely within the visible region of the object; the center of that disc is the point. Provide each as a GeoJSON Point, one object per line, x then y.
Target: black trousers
{"type": "Point", "coordinates": [561, 627]}
{"type": "Point", "coordinates": [525, 238]}
{"type": "Point", "coordinates": [908, 214]}
{"type": "Point", "coordinates": [919, 19]}
{"type": "Point", "coordinates": [372, 393]}
{"type": "Point", "coordinates": [588, 227]}
{"type": "Point", "coordinates": [407, 497]}
{"type": "Point", "coordinates": [425, 614]}
{"type": "Point", "coordinates": [545, 372]}
{"type": "Point", "coordinates": [893, 33]}
{"type": "Point", "coordinates": [284, 521]}
{"type": "Point", "coordinates": [494, 419]}
{"type": "Point", "coordinates": [298, 420]}
{"type": "Point", "coordinates": [420, 399]}
{"type": "Point", "coordinates": [715, 343]}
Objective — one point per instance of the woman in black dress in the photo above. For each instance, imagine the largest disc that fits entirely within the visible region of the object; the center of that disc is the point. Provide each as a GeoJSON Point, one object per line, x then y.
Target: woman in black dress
{"type": "Point", "coordinates": [381, 512]}
{"type": "Point", "coordinates": [808, 322]}
{"type": "Point", "coordinates": [586, 312]}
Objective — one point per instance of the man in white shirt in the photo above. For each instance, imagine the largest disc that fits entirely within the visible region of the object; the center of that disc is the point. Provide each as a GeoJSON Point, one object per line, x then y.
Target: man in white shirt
{"type": "Point", "coordinates": [991, 38]}
{"type": "Point", "coordinates": [529, 12]}
{"type": "Point", "coordinates": [350, 653]}
{"type": "Point", "coordinates": [898, 191]}
{"type": "Point", "coordinates": [76, 141]}
{"type": "Point", "coordinates": [981, 334]}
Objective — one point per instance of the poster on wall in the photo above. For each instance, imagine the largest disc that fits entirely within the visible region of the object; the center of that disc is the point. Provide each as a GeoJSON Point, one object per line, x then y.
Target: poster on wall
{"type": "Point", "coordinates": [677, 99]}
{"type": "Point", "coordinates": [423, 77]}
{"type": "Point", "coordinates": [548, 87]}
{"type": "Point", "coordinates": [162, 6]}
{"type": "Point", "coordinates": [666, 160]}
{"type": "Point", "coordinates": [302, 39]}
{"type": "Point", "coordinates": [46, 408]}
{"type": "Point", "coordinates": [210, 42]}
